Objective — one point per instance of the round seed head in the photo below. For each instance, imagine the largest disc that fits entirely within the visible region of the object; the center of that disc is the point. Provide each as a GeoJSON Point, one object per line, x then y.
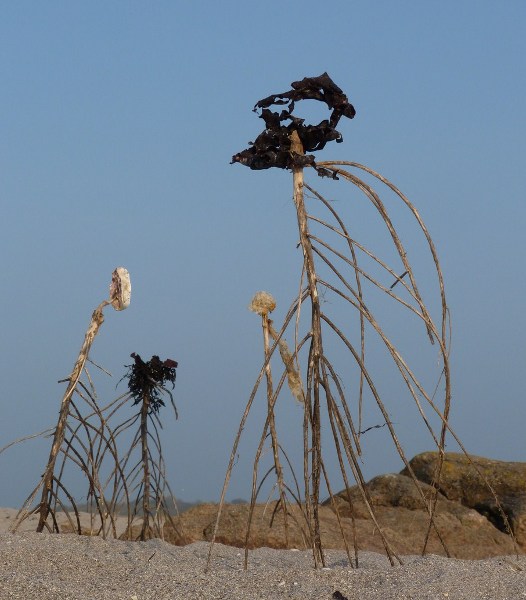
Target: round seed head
{"type": "Point", "coordinates": [262, 303]}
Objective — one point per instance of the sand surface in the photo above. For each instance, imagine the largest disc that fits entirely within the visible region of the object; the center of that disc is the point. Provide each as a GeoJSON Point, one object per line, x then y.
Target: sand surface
{"type": "Point", "coordinates": [51, 566]}
{"type": "Point", "coordinates": [9, 515]}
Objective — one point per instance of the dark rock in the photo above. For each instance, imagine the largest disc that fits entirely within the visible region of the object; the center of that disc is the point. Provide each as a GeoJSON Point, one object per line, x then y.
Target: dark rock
{"type": "Point", "coordinates": [460, 481]}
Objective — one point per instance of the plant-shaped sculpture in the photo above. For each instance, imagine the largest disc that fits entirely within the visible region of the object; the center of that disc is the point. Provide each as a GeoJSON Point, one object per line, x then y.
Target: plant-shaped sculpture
{"type": "Point", "coordinates": [147, 385]}
{"type": "Point", "coordinates": [340, 273]}
{"type": "Point", "coordinates": [81, 438]}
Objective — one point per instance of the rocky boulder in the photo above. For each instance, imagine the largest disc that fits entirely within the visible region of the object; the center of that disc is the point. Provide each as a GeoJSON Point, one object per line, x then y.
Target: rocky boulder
{"type": "Point", "coordinates": [401, 512]}
{"type": "Point", "coordinates": [399, 508]}
{"type": "Point", "coordinates": [267, 529]}
{"type": "Point", "coordinates": [462, 480]}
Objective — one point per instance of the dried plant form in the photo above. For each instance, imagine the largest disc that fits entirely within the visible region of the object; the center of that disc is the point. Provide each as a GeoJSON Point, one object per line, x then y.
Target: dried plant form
{"type": "Point", "coordinates": [342, 274]}
{"type": "Point", "coordinates": [120, 289]}
{"type": "Point", "coordinates": [145, 476]}
{"type": "Point", "coordinates": [263, 304]}
{"type": "Point", "coordinates": [81, 439]}
{"type": "Point", "coordinates": [273, 147]}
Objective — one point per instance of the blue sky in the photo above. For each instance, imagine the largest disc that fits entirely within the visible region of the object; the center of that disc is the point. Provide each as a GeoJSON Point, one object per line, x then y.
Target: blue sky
{"type": "Point", "coordinates": [118, 123]}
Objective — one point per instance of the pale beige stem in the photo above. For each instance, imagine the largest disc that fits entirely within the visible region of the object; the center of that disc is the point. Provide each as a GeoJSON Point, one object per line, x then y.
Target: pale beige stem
{"type": "Point", "coordinates": [97, 318]}
{"type": "Point", "coordinates": [267, 325]}
{"type": "Point", "coordinates": [312, 487]}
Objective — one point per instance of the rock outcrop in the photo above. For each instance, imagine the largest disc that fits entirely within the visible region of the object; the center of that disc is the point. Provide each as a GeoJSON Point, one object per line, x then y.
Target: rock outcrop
{"type": "Point", "coordinates": [401, 510]}
{"type": "Point", "coordinates": [463, 480]}
{"type": "Point", "coordinates": [467, 521]}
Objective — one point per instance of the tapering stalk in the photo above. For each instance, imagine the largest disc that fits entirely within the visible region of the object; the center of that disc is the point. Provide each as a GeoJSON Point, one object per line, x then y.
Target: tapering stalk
{"type": "Point", "coordinates": [97, 319]}
{"type": "Point", "coordinates": [266, 324]}
{"type": "Point", "coordinates": [312, 403]}
{"type": "Point", "coordinates": [145, 467]}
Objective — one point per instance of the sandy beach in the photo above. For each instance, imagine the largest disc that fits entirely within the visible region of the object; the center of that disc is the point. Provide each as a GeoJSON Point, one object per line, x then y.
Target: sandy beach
{"type": "Point", "coordinates": [9, 515]}
{"type": "Point", "coordinates": [67, 567]}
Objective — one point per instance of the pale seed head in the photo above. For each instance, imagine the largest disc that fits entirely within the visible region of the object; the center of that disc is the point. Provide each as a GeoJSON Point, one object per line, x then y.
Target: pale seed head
{"type": "Point", "coordinates": [262, 303]}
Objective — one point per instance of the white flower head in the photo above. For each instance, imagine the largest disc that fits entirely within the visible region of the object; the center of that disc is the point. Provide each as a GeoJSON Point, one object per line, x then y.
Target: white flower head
{"type": "Point", "coordinates": [120, 289]}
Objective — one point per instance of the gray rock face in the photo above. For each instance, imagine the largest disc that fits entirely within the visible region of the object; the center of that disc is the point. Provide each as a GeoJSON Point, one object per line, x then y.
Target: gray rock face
{"type": "Point", "coordinates": [464, 481]}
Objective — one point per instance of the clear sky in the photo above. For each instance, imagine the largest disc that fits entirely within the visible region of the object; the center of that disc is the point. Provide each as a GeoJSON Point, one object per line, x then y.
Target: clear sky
{"type": "Point", "coordinates": [118, 121]}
